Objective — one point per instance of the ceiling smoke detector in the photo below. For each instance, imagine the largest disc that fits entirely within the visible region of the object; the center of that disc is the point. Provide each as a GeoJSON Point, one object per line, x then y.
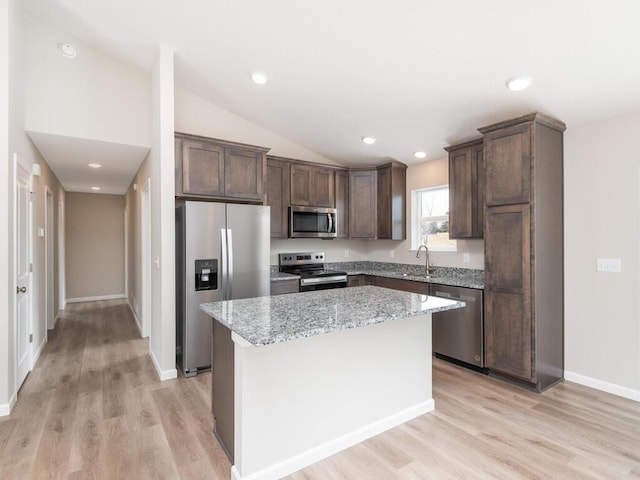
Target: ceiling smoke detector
{"type": "Point", "coordinates": [67, 50]}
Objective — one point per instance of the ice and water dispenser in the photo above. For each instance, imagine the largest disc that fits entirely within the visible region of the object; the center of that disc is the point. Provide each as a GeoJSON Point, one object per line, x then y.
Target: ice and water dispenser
{"type": "Point", "coordinates": [206, 274]}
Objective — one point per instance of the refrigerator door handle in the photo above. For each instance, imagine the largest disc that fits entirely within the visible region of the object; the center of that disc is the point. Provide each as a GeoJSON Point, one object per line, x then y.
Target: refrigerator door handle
{"type": "Point", "coordinates": [230, 263]}
{"type": "Point", "coordinates": [223, 273]}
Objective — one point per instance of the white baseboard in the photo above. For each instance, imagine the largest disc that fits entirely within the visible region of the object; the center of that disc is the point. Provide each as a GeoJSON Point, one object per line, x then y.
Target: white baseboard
{"type": "Point", "coordinates": [5, 408]}
{"type": "Point", "coordinates": [135, 317]}
{"type": "Point", "coordinates": [612, 388]}
{"type": "Point", "coordinates": [117, 296]}
{"type": "Point", "coordinates": [36, 356]}
{"type": "Point", "coordinates": [162, 374]}
{"type": "Point", "coordinates": [311, 456]}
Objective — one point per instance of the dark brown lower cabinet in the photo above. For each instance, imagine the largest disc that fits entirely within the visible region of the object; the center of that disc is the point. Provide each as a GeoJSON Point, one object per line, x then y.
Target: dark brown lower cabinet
{"type": "Point", "coordinates": [507, 322]}
{"type": "Point", "coordinates": [404, 285]}
{"type": "Point", "coordinates": [359, 280]}
{"type": "Point", "coordinates": [280, 287]}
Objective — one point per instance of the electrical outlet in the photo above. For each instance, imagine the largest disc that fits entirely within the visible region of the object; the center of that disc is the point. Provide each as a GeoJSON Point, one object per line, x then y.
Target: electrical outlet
{"type": "Point", "coordinates": [466, 258]}
{"type": "Point", "coordinates": [611, 265]}
{"type": "Point", "coordinates": [392, 254]}
{"type": "Point", "coordinates": [346, 253]}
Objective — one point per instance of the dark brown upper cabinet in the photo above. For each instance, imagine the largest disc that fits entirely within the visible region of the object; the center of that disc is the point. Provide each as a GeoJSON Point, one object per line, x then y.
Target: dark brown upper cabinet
{"type": "Point", "coordinates": [342, 203]}
{"type": "Point", "coordinates": [278, 196]}
{"type": "Point", "coordinates": [363, 192]}
{"type": "Point", "coordinates": [466, 190]}
{"type": "Point", "coordinates": [524, 263]}
{"type": "Point", "coordinates": [312, 185]}
{"type": "Point", "coordinates": [392, 194]}
{"type": "Point", "coordinates": [214, 169]}
{"type": "Point", "coordinates": [508, 165]}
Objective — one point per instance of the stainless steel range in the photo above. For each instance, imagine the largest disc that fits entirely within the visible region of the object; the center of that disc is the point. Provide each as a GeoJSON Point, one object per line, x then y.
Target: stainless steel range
{"type": "Point", "coordinates": [313, 274]}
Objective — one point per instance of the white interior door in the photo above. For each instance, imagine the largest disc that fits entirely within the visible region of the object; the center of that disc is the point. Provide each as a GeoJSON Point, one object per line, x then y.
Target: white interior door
{"type": "Point", "coordinates": [23, 284]}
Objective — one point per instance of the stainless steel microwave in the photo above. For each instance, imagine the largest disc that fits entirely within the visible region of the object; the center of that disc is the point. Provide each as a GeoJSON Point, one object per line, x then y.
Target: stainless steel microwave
{"type": "Point", "coordinates": [312, 222]}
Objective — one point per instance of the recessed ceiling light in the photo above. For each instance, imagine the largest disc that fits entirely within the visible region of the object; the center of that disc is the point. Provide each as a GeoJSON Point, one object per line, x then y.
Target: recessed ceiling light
{"type": "Point", "coordinates": [420, 154]}
{"type": "Point", "coordinates": [259, 78]}
{"type": "Point", "coordinates": [95, 188]}
{"type": "Point", "coordinates": [518, 83]}
{"type": "Point", "coordinates": [369, 140]}
{"type": "Point", "coordinates": [67, 50]}
{"type": "Point", "coordinates": [94, 165]}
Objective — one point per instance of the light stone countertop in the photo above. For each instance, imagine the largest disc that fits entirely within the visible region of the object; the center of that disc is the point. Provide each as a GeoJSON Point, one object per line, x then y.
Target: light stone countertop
{"type": "Point", "coordinates": [277, 276]}
{"type": "Point", "coordinates": [281, 318]}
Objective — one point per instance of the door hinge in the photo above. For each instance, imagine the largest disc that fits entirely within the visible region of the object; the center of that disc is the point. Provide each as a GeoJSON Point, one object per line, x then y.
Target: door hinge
{"type": "Point", "coordinates": [31, 338]}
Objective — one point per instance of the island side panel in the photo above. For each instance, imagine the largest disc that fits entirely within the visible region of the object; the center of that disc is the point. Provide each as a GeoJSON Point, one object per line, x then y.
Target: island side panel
{"type": "Point", "coordinates": [300, 401]}
{"type": "Point", "coordinates": [222, 387]}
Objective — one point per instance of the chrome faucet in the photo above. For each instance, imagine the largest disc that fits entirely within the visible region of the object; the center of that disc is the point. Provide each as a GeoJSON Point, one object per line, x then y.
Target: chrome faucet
{"type": "Point", "coordinates": [427, 268]}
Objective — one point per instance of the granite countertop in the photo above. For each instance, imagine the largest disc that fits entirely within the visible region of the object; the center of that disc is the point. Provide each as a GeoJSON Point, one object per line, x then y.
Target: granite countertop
{"type": "Point", "coordinates": [277, 276]}
{"type": "Point", "coordinates": [455, 277]}
{"type": "Point", "coordinates": [281, 318]}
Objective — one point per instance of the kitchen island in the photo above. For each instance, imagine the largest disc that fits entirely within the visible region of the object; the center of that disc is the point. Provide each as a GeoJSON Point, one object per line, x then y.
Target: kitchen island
{"type": "Point", "coordinates": [299, 377]}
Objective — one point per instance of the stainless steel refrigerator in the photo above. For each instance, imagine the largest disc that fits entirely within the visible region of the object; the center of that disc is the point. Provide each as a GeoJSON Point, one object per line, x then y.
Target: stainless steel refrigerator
{"type": "Point", "coordinates": [222, 253]}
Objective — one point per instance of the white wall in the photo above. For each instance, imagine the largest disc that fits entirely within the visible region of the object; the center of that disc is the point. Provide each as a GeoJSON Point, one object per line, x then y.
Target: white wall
{"type": "Point", "coordinates": [197, 116]}
{"type": "Point", "coordinates": [92, 96]}
{"type": "Point", "coordinates": [602, 218]}
{"type": "Point", "coordinates": [162, 344]}
{"type": "Point", "coordinates": [6, 228]}
{"type": "Point", "coordinates": [14, 140]}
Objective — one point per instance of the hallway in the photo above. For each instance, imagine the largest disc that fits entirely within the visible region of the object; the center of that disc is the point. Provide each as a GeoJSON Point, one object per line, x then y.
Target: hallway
{"type": "Point", "coordinates": [93, 407]}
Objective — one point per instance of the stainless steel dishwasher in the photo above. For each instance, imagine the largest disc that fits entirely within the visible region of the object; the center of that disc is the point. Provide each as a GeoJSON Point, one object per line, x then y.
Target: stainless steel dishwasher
{"type": "Point", "coordinates": [459, 333]}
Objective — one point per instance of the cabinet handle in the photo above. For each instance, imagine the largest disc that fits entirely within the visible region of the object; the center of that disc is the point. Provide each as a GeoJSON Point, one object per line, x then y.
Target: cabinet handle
{"type": "Point", "coordinates": [21, 290]}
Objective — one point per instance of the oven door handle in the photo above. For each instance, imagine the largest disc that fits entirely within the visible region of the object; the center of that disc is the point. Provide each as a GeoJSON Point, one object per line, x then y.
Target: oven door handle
{"type": "Point", "coordinates": [316, 281]}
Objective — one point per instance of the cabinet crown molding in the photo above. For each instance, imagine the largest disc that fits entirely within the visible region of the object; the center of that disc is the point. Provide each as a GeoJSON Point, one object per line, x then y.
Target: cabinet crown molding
{"type": "Point", "coordinates": [470, 143]}
{"type": "Point", "coordinates": [534, 117]}
{"type": "Point", "coordinates": [225, 143]}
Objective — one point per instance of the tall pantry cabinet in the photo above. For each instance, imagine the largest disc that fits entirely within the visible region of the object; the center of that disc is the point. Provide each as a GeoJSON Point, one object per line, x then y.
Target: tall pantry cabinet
{"type": "Point", "coordinates": [524, 289]}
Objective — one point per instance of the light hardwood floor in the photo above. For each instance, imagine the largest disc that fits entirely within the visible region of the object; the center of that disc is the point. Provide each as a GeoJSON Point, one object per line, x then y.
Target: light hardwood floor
{"type": "Point", "coordinates": [93, 408]}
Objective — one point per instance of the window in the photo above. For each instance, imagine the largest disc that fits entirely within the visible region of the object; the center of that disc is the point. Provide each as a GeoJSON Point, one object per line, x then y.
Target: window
{"type": "Point", "coordinates": [430, 215]}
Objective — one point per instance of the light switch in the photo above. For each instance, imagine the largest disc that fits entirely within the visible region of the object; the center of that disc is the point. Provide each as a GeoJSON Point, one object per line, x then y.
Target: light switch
{"type": "Point", "coordinates": [346, 253]}
{"type": "Point", "coordinates": [40, 231]}
{"type": "Point", "coordinates": [392, 254]}
{"type": "Point", "coordinates": [465, 258]}
{"type": "Point", "coordinates": [611, 265]}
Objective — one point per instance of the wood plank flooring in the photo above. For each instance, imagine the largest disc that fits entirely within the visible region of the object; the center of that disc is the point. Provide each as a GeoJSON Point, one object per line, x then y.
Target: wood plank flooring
{"type": "Point", "coordinates": [93, 408]}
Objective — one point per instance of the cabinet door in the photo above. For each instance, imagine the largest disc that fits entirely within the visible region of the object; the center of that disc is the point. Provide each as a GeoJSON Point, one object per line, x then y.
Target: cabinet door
{"type": "Point", "coordinates": [301, 176]}
{"type": "Point", "coordinates": [202, 169]}
{"type": "Point", "coordinates": [243, 174]}
{"type": "Point", "coordinates": [391, 198]}
{"type": "Point", "coordinates": [404, 285]}
{"type": "Point", "coordinates": [322, 187]}
{"type": "Point", "coordinates": [362, 204]}
{"type": "Point", "coordinates": [278, 196]}
{"type": "Point", "coordinates": [478, 181]}
{"type": "Point", "coordinates": [342, 203]}
{"type": "Point", "coordinates": [461, 193]}
{"type": "Point", "coordinates": [508, 322]}
{"type": "Point", "coordinates": [384, 203]}
{"type": "Point", "coordinates": [508, 165]}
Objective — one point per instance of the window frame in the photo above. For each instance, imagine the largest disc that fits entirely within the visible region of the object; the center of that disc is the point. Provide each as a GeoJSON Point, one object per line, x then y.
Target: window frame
{"type": "Point", "coordinates": [416, 221]}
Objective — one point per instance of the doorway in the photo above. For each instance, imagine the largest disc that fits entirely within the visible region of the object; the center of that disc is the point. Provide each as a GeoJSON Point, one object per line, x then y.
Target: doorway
{"type": "Point", "coordinates": [145, 247]}
{"type": "Point", "coordinates": [49, 223]}
{"type": "Point", "coordinates": [22, 261]}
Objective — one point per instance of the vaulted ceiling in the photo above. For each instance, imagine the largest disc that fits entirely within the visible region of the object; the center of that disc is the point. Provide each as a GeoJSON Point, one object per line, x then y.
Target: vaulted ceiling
{"type": "Point", "coordinates": [416, 74]}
